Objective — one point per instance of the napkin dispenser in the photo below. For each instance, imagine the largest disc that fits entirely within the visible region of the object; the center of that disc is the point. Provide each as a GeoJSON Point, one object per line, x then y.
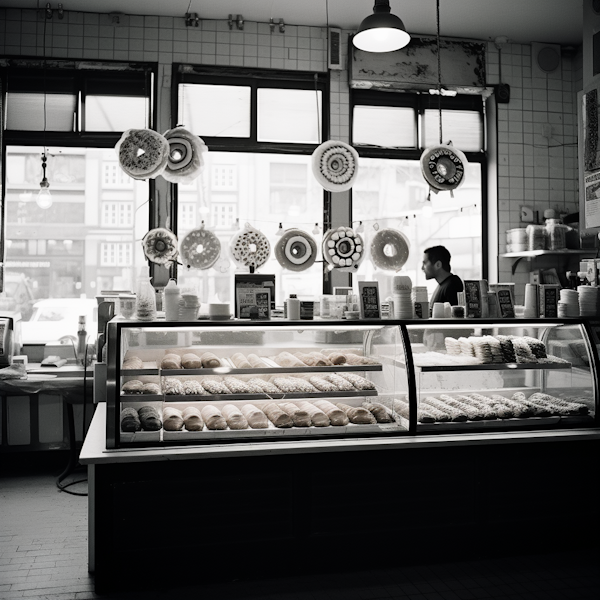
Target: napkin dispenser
{"type": "Point", "coordinates": [10, 337]}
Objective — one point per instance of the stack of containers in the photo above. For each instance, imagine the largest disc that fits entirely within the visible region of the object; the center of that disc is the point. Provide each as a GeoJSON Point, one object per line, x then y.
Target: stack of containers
{"type": "Point", "coordinates": [420, 302]}
{"type": "Point", "coordinates": [589, 300]}
{"type": "Point", "coordinates": [402, 288]}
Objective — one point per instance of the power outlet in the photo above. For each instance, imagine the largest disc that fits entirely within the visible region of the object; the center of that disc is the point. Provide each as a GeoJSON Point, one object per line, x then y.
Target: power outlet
{"type": "Point", "coordinates": [526, 214]}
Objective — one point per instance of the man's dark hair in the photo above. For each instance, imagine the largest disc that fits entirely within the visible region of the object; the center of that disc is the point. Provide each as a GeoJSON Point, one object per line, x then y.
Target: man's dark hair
{"type": "Point", "coordinates": [440, 253]}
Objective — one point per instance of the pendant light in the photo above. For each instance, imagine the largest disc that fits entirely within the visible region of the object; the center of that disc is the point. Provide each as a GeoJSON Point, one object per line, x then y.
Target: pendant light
{"type": "Point", "coordinates": [382, 31]}
{"type": "Point", "coordinates": [44, 198]}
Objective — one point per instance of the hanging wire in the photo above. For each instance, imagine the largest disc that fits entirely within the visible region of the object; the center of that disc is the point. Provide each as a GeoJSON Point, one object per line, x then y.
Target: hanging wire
{"type": "Point", "coordinates": [439, 65]}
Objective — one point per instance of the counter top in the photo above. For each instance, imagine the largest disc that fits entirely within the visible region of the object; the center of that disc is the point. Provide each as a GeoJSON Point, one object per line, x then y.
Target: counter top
{"type": "Point", "coordinates": [94, 447]}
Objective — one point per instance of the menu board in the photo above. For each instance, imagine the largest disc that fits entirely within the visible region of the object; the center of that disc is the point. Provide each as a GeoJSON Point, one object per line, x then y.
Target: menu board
{"type": "Point", "coordinates": [505, 303]}
{"type": "Point", "coordinates": [368, 292]}
{"type": "Point", "coordinates": [253, 303]}
{"type": "Point", "coordinates": [549, 296]}
{"type": "Point", "coordinates": [473, 299]}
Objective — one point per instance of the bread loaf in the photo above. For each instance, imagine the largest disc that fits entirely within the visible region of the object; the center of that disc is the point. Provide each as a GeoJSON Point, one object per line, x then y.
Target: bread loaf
{"type": "Point", "coordinates": [300, 417]}
{"type": "Point", "coordinates": [172, 419]}
{"type": "Point", "coordinates": [321, 357]}
{"type": "Point", "coordinates": [135, 386]}
{"type": "Point", "coordinates": [130, 421]}
{"type": "Point", "coordinates": [357, 414]}
{"type": "Point", "coordinates": [149, 418]}
{"type": "Point", "coordinates": [341, 383]}
{"type": "Point", "coordinates": [193, 387]}
{"type": "Point", "coordinates": [278, 417]}
{"type": "Point", "coordinates": [234, 417]}
{"type": "Point", "coordinates": [256, 362]}
{"type": "Point", "coordinates": [172, 386]}
{"type": "Point", "coordinates": [266, 386]}
{"type": "Point", "coordinates": [214, 386]}
{"type": "Point", "coordinates": [191, 361]}
{"type": "Point", "coordinates": [285, 359]}
{"type": "Point", "coordinates": [213, 418]}
{"type": "Point", "coordinates": [381, 413]}
{"type": "Point", "coordinates": [171, 361]}
{"type": "Point", "coordinates": [235, 385]}
{"type": "Point", "coordinates": [256, 418]}
{"type": "Point", "coordinates": [356, 359]}
{"type": "Point", "coordinates": [310, 359]}
{"type": "Point", "coordinates": [336, 358]}
{"type": "Point", "coordinates": [334, 413]}
{"type": "Point", "coordinates": [151, 388]}
{"type": "Point", "coordinates": [359, 382]}
{"type": "Point", "coordinates": [317, 417]}
{"type": "Point", "coordinates": [322, 384]}
{"type": "Point", "coordinates": [192, 419]}
{"type": "Point", "coordinates": [240, 361]}
{"type": "Point", "coordinates": [132, 362]}
{"type": "Point", "coordinates": [210, 360]}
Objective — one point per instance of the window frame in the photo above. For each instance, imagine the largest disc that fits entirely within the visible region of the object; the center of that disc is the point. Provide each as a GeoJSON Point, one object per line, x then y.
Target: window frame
{"type": "Point", "coordinates": [420, 102]}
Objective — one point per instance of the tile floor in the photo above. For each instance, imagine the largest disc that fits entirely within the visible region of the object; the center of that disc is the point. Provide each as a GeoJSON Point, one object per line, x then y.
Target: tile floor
{"type": "Point", "coordinates": [43, 555]}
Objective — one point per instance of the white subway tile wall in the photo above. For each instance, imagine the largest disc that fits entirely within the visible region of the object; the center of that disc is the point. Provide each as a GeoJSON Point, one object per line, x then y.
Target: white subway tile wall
{"type": "Point", "coordinates": [537, 129]}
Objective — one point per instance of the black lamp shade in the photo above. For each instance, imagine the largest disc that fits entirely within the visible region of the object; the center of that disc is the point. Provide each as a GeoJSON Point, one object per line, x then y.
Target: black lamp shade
{"type": "Point", "coordinates": [381, 31]}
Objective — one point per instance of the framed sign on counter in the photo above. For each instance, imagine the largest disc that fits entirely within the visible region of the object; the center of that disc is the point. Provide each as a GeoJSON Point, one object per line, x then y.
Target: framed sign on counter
{"type": "Point", "coordinates": [368, 292]}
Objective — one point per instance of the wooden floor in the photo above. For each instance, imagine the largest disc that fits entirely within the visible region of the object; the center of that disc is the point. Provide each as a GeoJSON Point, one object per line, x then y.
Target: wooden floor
{"type": "Point", "coordinates": [43, 555]}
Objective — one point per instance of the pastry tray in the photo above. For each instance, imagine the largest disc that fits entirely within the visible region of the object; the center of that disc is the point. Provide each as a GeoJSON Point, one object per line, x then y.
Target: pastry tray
{"type": "Point", "coordinates": [265, 396]}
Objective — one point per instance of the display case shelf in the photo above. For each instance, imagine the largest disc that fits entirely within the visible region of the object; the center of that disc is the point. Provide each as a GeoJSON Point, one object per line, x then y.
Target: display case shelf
{"type": "Point", "coordinates": [494, 367]}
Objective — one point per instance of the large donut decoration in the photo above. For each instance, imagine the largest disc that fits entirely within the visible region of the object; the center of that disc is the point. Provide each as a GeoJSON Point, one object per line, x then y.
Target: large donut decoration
{"type": "Point", "coordinates": [335, 165]}
{"type": "Point", "coordinates": [250, 248]}
{"type": "Point", "coordinates": [443, 167]}
{"type": "Point", "coordinates": [343, 248]}
{"type": "Point", "coordinates": [185, 160]}
{"type": "Point", "coordinates": [142, 153]}
{"type": "Point", "coordinates": [160, 246]}
{"type": "Point", "coordinates": [296, 250]}
{"type": "Point", "coordinates": [389, 249]}
{"type": "Point", "coordinates": [200, 249]}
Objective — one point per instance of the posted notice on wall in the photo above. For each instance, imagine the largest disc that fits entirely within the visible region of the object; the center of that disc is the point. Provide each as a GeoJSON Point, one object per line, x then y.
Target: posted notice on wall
{"type": "Point", "coordinates": [592, 199]}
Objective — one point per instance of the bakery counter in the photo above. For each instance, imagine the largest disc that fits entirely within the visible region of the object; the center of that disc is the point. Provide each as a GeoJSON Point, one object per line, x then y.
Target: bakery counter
{"type": "Point", "coordinates": [266, 505]}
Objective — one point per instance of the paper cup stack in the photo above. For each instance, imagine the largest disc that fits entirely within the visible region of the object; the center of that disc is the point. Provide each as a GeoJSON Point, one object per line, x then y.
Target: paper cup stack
{"type": "Point", "coordinates": [589, 301]}
{"type": "Point", "coordinates": [568, 305]}
{"type": "Point", "coordinates": [402, 288]}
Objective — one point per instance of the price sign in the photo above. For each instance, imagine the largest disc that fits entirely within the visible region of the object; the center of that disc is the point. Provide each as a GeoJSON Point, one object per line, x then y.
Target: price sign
{"type": "Point", "coordinates": [369, 300]}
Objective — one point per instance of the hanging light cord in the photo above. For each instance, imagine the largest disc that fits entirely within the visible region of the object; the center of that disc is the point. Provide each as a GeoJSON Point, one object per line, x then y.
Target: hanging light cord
{"type": "Point", "coordinates": [439, 65]}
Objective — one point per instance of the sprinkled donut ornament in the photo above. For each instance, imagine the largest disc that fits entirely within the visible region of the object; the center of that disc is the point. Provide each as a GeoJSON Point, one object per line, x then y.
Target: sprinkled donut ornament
{"type": "Point", "coordinates": [343, 249]}
{"type": "Point", "coordinates": [296, 250]}
{"type": "Point", "coordinates": [443, 167]}
{"type": "Point", "coordinates": [200, 249]}
{"type": "Point", "coordinates": [389, 249]}
{"type": "Point", "coordinates": [335, 165]}
{"type": "Point", "coordinates": [160, 246]}
{"type": "Point", "coordinates": [143, 153]}
{"type": "Point", "coordinates": [185, 160]}
{"type": "Point", "coordinates": [250, 248]}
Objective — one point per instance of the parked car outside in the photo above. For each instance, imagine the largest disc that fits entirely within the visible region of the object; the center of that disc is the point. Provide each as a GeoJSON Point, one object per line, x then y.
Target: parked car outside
{"type": "Point", "coordinates": [54, 319]}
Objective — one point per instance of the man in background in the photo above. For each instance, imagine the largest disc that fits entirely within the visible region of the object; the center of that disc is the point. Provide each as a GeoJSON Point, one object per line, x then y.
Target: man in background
{"type": "Point", "coordinates": [436, 265]}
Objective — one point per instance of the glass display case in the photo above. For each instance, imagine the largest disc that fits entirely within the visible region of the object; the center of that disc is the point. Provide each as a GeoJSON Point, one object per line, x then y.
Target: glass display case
{"type": "Point", "coordinates": [175, 383]}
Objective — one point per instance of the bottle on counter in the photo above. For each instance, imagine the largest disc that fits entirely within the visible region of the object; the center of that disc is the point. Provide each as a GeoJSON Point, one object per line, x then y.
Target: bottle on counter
{"type": "Point", "coordinates": [172, 295]}
{"type": "Point", "coordinates": [81, 342]}
{"type": "Point", "coordinates": [293, 308]}
{"type": "Point", "coordinates": [145, 305]}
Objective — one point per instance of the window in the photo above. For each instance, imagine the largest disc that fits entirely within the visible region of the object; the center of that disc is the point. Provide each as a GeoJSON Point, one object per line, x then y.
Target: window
{"type": "Point", "coordinates": [390, 131]}
{"type": "Point", "coordinates": [88, 239]}
{"type": "Point", "coordinates": [261, 132]}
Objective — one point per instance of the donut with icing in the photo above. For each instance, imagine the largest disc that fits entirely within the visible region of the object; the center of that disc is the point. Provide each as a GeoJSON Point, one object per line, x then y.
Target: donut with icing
{"type": "Point", "coordinates": [335, 165]}
{"type": "Point", "coordinates": [160, 246]}
{"type": "Point", "coordinates": [185, 159]}
{"type": "Point", "coordinates": [250, 248]}
{"type": "Point", "coordinates": [443, 167]}
{"type": "Point", "coordinates": [296, 250]}
{"type": "Point", "coordinates": [200, 249]}
{"type": "Point", "coordinates": [343, 248]}
{"type": "Point", "coordinates": [389, 249]}
{"type": "Point", "coordinates": [143, 153]}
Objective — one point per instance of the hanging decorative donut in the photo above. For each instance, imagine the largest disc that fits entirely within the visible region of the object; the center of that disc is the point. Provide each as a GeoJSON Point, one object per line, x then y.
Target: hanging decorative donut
{"type": "Point", "coordinates": [250, 248]}
{"type": "Point", "coordinates": [344, 249]}
{"type": "Point", "coordinates": [389, 249]}
{"type": "Point", "coordinates": [335, 165]}
{"type": "Point", "coordinates": [200, 249]}
{"type": "Point", "coordinates": [160, 246]}
{"type": "Point", "coordinates": [296, 250]}
{"type": "Point", "coordinates": [143, 153]}
{"type": "Point", "coordinates": [185, 160]}
{"type": "Point", "coordinates": [443, 167]}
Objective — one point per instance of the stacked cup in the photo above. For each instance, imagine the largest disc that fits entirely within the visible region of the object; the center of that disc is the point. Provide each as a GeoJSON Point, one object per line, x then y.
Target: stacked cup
{"type": "Point", "coordinates": [589, 300]}
{"type": "Point", "coordinates": [568, 305]}
{"type": "Point", "coordinates": [401, 288]}
{"type": "Point", "coordinates": [189, 306]}
{"type": "Point", "coordinates": [420, 302]}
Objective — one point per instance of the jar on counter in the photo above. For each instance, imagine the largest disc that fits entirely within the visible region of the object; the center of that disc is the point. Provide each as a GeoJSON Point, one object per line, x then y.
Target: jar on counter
{"type": "Point", "coordinates": [536, 237]}
{"type": "Point", "coordinates": [145, 305]}
{"type": "Point", "coordinates": [556, 234]}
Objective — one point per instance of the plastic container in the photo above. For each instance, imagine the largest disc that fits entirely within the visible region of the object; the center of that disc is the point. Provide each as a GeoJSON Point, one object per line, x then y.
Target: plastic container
{"type": "Point", "coordinates": [145, 305]}
{"type": "Point", "coordinates": [536, 237]}
{"type": "Point", "coordinates": [556, 234]}
{"type": "Point", "coordinates": [293, 308]}
{"type": "Point", "coordinates": [172, 296]}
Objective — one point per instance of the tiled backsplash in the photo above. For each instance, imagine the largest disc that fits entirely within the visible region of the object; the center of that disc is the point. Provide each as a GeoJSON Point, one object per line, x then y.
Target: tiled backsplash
{"type": "Point", "coordinates": [537, 129]}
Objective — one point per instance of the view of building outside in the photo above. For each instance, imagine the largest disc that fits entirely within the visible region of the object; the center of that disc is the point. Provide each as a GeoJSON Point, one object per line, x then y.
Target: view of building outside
{"type": "Point", "coordinates": [88, 239]}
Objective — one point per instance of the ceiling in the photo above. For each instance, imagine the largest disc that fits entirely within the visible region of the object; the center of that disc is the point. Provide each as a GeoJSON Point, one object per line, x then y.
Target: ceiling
{"type": "Point", "coordinates": [521, 21]}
